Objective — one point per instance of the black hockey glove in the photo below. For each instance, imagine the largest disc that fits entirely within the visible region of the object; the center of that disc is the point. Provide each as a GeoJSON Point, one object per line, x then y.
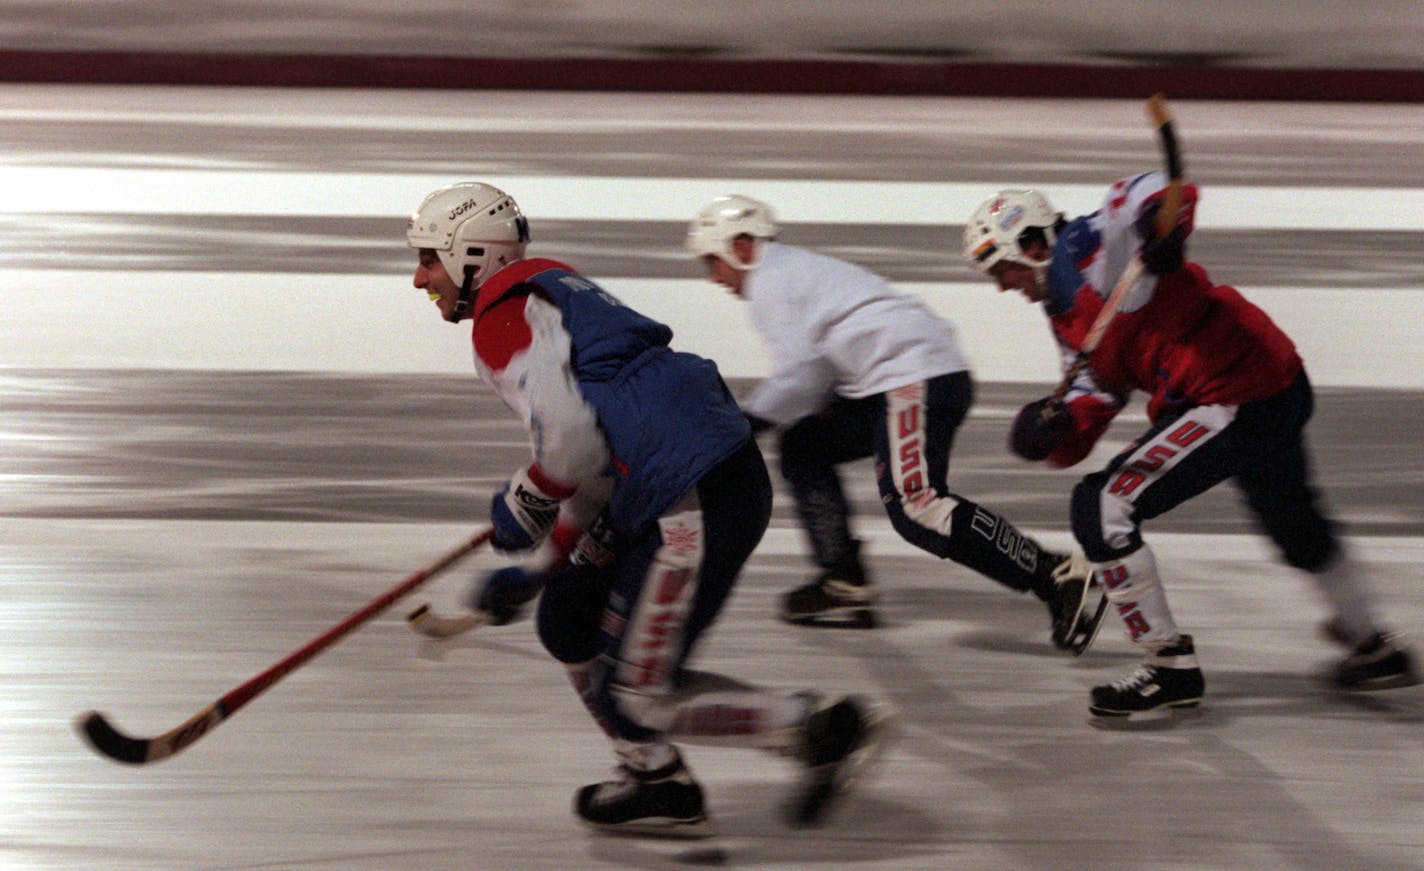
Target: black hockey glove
{"type": "Point", "coordinates": [1160, 256]}
{"type": "Point", "coordinates": [1040, 426]}
{"type": "Point", "coordinates": [1165, 256]}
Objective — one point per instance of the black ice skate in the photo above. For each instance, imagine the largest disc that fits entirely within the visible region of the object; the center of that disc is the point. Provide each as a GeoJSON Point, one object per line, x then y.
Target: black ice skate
{"type": "Point", "coordinates": [665, 802]}
{"type": "Point", "coordinates": [842, 740]}
{"type": "Point", "coordinates": [1380, 663]}
{"type": "Point", "coordinates": [1169, 677]}
{"type": "Point", "coordinates": [1067, 591]}
{"type": "Point", "coordinates": [839, 596]}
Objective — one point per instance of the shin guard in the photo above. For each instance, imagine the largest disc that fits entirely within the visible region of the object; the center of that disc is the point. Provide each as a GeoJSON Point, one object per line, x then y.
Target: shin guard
{"type": "Point", "coordinates": [1131, 584]}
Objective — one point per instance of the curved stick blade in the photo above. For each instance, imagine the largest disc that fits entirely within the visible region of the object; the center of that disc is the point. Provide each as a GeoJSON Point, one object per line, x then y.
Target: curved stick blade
{"type": "Point", "coordinates": [96, 730]}
{"type": "Point", "coordinates": [110, 742]}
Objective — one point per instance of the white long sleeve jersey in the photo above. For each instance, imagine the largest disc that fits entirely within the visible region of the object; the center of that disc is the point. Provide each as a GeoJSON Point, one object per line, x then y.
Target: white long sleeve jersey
{"type": "Point", "coordinates": [836, 328]}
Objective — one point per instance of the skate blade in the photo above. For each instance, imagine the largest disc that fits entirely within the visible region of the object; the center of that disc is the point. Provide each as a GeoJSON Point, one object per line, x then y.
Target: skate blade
{"type": "Point", "coordinates": [1163, 717]}
{"type": "Point", "coordinates": [857, 618]}
{"type": "Point", "coordinates": [1392, 682]}
{"type": "Point", "coordinates": [1086, 630]}
{"type": "Point", "coordinates": [818, 798]}
{"type": "Point", "coordinates": [658, 827]}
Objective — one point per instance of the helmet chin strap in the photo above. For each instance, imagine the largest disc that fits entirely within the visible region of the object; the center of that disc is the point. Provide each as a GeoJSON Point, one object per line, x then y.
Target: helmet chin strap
{"type": "Point", "coordinates": [467, 297]}
{"type": "Point", "coordinates": [1040, 267]}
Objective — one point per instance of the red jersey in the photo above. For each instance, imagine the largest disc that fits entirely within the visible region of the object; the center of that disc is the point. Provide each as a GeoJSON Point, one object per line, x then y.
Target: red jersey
{"type": "Point", "coordinates": [1179, 338]}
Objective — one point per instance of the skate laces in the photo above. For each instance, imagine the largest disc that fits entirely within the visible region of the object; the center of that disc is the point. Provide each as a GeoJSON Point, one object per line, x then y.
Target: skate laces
{"type": "Point", "coordinates": [1144, 675]}
{"type": "Point", "coordinates": [610, 791]}
{"type": "Point", "coordinates": [843, 591]}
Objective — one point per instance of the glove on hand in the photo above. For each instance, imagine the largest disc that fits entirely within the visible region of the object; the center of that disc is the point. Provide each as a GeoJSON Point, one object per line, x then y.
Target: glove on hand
{"type": "Point", "coordinates": [1040, 426]}
{"type": "Point", "coordinates": [1166, 255]}
{"type": "Point", "coordinates": [1160, 256]}
{"type": "Point", "coordinates": [523, 513]}
{"type": "Point", "coordinates": [503, 593]}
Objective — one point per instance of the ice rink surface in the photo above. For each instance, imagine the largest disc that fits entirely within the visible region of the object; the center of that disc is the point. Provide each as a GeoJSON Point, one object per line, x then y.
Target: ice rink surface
{"type": "Point", "coordinates": [227, 421]}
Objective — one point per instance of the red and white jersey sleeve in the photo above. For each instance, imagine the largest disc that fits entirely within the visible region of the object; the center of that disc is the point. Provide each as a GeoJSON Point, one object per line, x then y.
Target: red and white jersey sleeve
{"type": "Point", "coordinates": [1180, 338]}
{"type": "Point", "coordinates": [523, 352]}
{"type": "Point", "coordinates": [1116, 224]}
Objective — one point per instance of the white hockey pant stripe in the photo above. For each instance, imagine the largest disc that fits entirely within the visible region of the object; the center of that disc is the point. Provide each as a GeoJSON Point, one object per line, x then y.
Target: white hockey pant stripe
{"type": "Point", "coordinates": [750, 719]}
{"type": "Point", "coordinates": [909, 467]}
{"type": "Point", "coordinates": [652, 643]}
{"type": "Point", "coordinates": [1150, 462]}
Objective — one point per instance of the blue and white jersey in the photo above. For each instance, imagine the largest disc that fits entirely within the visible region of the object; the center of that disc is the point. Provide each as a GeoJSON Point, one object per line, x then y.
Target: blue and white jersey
{"type": "Point", "coordinates": [600, 390]}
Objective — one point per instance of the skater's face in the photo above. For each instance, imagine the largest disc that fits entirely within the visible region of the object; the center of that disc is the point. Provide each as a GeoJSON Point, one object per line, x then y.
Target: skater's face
{"type": "Point", "coordinates": [431, 277]}
{"type": "Point", "coordinates": [723, 273]}
{"type": "Point", "coordinates": [1009, 275]}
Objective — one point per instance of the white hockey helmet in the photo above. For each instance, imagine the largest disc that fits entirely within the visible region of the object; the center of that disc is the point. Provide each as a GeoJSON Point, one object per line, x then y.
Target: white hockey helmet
{"type": "Point", "coordinates": [1001, 226]}
{"type": "Point", "coordinates": [720, 222]}
{"type": "Point", "coordinates": [474, 228]}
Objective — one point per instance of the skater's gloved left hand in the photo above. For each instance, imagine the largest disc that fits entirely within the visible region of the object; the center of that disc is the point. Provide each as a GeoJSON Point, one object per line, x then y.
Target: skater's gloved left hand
{"type": "Point", "coordinates": [503, 593]}
{"type": "Point", "coordinates": [1164, 255]}
{"type": "Point", "coordinates": [525, 510]}
{"type": "Point", "coordinates": [1040, 426]}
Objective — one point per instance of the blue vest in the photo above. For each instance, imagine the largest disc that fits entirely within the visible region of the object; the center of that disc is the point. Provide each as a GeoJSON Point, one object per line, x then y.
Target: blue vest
{"type": "Point", "coordinates": [667, 415]}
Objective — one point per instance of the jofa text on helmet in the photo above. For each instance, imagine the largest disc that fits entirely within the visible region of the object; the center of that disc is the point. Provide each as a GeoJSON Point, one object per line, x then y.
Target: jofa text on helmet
{"type": "Point", "coordinates": [461, 209]}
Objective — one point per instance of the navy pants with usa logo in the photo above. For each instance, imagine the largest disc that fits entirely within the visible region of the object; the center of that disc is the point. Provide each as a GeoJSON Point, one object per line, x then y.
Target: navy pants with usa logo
{"type": "Point", "coordinates": [910, 432]}
{"type": "Point", "coordinates": [1259, 445]}
{"type": "Point", "coordinates": [636, 617]}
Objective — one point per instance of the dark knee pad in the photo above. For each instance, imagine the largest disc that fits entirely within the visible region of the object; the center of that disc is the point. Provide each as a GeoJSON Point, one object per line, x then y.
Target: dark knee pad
{"type": "Point", "coordinates": [1087, 520]}
{"type": "Point", "coordinates": [570, 613]}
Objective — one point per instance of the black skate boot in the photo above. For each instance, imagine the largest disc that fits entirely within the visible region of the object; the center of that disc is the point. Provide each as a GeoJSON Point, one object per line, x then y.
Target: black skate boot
{"type": "Point", "coordinates": [666, 802]}
{"type": "Point", "coordinates": [839, 596]}
{"type": "Point", "coordinates": [1380, 663]}
{"type": "Point", "coordinates": [1169, 677]}
{"type": "Point", "coordinates": [841, 742]}
{"type": "Point", "coordinates": [1067, 589]}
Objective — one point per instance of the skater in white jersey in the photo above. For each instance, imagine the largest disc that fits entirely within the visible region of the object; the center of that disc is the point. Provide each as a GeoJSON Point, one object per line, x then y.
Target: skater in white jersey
{"type": "Point", "coordinates": [860, 370]}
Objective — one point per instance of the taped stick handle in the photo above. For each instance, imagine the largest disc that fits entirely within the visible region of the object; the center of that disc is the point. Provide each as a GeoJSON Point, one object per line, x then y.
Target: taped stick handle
{"type": "Point", "coordinates": [1166, 220]}
{"type": "Point", "coordinates": [109, 741]}
{"type": "Point", "coordinates": [1171, 153]}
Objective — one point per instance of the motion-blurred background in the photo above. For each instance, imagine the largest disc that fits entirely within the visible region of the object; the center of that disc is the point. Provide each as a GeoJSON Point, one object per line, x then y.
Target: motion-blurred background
{"type": "Point", "coordinates": [227, 419]}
